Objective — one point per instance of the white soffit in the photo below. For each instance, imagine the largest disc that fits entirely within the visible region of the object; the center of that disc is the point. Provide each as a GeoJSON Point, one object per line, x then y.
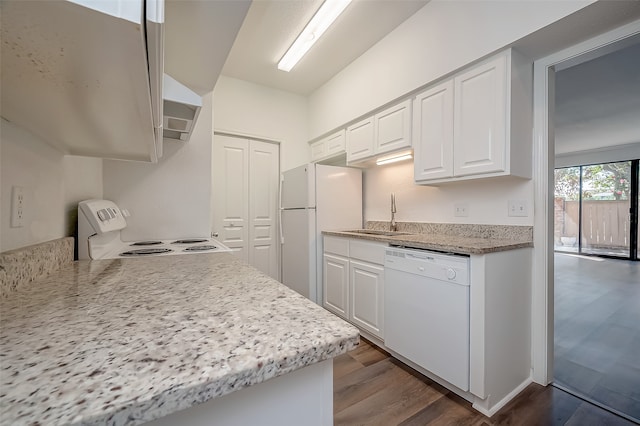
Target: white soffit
{"type": "Point", "coordinates": [198, 37]}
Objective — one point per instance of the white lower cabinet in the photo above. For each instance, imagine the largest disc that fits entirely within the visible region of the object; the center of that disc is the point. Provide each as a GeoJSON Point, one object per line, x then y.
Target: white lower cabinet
{"type": "Point", "coordinates": [353, 281]}
{"type": "Point", "coordinates": [497, 343]}
{"type": "Point", "coordinates": [367, 293]}
{"type": "Point", "coordinates": [336, 284]}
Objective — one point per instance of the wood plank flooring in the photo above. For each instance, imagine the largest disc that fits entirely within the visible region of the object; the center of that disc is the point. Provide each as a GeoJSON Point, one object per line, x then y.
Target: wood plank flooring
{"type": "Point", "coordinates": [597, 330]}
{"type": "Point", "coordinates": [372, 388]}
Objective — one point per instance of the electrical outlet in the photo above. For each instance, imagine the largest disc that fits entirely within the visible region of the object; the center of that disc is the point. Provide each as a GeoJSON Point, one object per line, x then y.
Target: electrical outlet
{"type": "Point", "coordinates": [461, 209]}
{"type": "Point", "coordinates": [17, 207]}
{"type": "Point", "coordinates": [518, 208]}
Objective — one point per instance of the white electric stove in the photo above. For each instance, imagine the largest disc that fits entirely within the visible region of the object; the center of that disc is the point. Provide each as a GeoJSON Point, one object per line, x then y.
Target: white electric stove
{"type": "Point", "coordinates": [99, 237]}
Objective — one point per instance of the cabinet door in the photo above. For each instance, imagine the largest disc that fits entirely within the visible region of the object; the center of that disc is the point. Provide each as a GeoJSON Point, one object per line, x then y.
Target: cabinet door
{"type": "Point", "coordinates": [480, 122]}
{"type": "Point", "coordinates": [360, 140]}
{"type": "Point", "coordinates": [433, 133]}
{"type": "Point", "coordinates": [335, 279]}
{"type": "Point", "coordinates": [393, 128]}
{"type": "Point", "coordinates": [335, 143]}
{"type": "Point", "coordinates": [367, 291]}
{"type": "Point", "coordinates": [318, 150]}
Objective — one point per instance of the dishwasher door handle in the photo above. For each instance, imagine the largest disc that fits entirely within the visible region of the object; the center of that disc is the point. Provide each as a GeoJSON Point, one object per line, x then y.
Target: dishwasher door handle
{"type": "Point", "coordinates": [419, 256]}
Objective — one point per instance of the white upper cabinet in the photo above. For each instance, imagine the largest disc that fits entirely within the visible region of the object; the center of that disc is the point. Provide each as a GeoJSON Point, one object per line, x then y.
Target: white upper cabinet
{"type": "Point", "coordinates": [329, 147]}
{"type": "Point", "coordinates": [393, 128]}
{"type": "Point", "coordinates": [318, 150]}
{"type": "Point", "coordinates": [477, 124]}
{"type": "Point", "coordinates": [387, 131]}
{"type": "Point", "coordinates": [433, 132]}
{"type": "Point", "coordinates": [480, 119]}
{"type": "Point", "coordinates": [360, 143]}
{"type": "Point", "coordinates": [336, 143]}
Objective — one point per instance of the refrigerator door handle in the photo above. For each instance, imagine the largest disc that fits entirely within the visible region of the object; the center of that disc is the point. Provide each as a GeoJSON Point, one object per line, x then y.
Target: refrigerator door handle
{"type": "Point", "coordinates": [280, 209]}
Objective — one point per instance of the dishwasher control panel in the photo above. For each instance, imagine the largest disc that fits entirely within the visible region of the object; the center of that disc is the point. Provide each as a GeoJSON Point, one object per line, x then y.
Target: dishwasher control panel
{"type": "Point", "coordinates": [451, 268]}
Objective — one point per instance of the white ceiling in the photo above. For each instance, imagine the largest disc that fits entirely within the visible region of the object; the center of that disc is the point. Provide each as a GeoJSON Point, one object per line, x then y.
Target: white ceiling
{"type": "Point", "coordinates": [598, 102]}
{"type": "Point", "coordinates": [271, 26]}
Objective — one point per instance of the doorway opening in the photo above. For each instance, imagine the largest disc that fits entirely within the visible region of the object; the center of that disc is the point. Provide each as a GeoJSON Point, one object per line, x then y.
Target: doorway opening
{"type": "Point", "coordinates": [594, 280]}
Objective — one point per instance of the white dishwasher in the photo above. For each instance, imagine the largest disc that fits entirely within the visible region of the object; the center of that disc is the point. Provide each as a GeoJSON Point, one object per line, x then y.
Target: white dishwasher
{"type": "Point", "coordinates": [427, 311]}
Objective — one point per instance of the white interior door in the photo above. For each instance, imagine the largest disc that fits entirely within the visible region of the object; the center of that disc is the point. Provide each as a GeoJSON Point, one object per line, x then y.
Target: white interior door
{"type": "Point", "coordinates": [263, 206]}
{"type": "Point", "coordinates": [230, 196]}
{"type": "Point", "coordinates": [245, 199]}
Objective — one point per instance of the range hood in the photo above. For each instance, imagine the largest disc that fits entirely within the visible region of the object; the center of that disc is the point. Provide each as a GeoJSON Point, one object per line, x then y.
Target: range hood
{"type": "Point", "coordinates": [86, 75]}
{"type": "Point", "coordinates": [181, 108]}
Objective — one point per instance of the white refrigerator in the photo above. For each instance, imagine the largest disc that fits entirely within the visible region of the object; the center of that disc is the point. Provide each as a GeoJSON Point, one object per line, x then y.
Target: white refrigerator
{"type": "Point", "coordinates": [315, 198]}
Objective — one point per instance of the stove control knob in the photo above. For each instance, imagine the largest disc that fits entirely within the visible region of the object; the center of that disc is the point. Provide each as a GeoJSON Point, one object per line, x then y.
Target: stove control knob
{"type": "Point", "coordinates": [451, 273]}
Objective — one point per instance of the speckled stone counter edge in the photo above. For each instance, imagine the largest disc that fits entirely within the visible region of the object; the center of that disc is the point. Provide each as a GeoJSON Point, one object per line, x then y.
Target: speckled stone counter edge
{"type": "Point", "coordinates": [450, 238]}
{"type": "Point", "coordinates": [27, 264]}
{"type": "Point", "coordinates": [463, 230]}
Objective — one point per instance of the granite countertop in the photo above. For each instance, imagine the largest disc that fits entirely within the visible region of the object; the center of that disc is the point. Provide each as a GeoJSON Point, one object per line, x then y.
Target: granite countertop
{"type": "Point", "coordinates": [443, 242]}
{"type": "Point", "coordinates": [126, 341]}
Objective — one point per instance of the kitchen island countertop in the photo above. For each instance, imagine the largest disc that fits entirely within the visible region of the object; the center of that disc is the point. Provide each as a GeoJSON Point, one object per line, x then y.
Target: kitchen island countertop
{"type": "Point", "coordinates": [126, 341]}
{"type": "Point", "coordinates": [442, 242]}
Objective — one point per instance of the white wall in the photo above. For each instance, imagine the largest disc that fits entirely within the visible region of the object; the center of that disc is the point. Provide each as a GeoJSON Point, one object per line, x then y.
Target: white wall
{"type": "Point", "coordinates": [440, 38]}
{"type": "Point", "coordinates": [249, 109]}
{"type": "Point", "coordinates": [82, 181]}
{"type": "Point", "coordinates": [486, 198]}
{"type": "Point", "coordinates": [171, 199]}
{"type": "Point", "coordinates": [53, 184]}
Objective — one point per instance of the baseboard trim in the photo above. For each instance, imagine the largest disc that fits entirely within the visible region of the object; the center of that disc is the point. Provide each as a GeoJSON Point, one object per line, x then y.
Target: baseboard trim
{"type": "Point", "coordinates": [479, 404]}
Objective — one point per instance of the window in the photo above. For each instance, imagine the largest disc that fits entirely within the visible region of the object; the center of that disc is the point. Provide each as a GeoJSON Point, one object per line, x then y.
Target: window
{"type": "Point", "coordinates": [596, 209]}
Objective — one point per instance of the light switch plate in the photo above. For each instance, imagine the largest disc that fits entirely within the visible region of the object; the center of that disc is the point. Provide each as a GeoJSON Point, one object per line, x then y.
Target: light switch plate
{"type": "Point", "coordinates": [461, 209]}
{"type": "Point", "coordinates": [518, 208]}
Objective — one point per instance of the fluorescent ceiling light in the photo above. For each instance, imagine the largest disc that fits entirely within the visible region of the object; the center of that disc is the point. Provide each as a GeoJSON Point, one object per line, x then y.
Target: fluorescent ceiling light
{"type": "Point", "coordinates": [322, 20]}
{"type": "Point", "coordinates": [401, 156]}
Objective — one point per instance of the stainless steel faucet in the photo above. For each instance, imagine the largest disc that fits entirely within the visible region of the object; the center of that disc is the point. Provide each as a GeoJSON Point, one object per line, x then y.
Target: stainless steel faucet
{"type": "Point", "coordinates": [392, 225]}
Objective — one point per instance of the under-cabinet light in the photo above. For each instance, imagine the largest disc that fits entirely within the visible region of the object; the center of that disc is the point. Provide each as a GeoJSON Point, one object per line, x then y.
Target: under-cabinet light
{"type": "Point", "coordinates": [401, 156]}
{"type": "Point", "coordinates": [322, 20]}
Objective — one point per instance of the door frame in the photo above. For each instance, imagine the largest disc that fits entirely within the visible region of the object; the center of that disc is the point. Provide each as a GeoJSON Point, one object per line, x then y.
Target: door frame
{"type": "Point", "coordinates": [542, 338]}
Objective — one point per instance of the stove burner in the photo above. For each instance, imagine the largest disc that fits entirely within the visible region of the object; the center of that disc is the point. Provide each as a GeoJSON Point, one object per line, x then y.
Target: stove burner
{"type": "Point", "coordinates": [191, 241]}
{"type": "Point", "coordinates": [200, 248]}
{"type": "Point", "coordinates": [146, 252]}
{"type": "Point", "coordinates": [146, 243]}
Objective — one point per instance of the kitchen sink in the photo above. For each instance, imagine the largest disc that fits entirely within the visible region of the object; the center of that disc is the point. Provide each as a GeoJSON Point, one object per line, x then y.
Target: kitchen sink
{"type": "Point", "coordinates": [381, 233]}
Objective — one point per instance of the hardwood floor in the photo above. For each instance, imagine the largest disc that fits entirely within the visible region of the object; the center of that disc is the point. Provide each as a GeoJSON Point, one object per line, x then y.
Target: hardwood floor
{"type": "Point", "coordinates": [597, 330]}
{"type": "Point", "coordinates": [372, 388]}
